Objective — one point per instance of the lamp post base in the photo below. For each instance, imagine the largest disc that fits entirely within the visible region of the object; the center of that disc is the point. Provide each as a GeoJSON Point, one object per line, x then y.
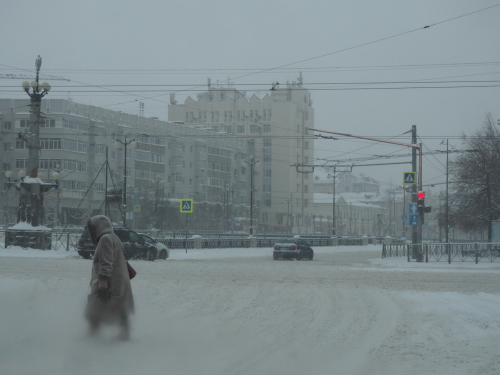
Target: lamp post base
{"type": "Point", "coordinates": [35, 239]}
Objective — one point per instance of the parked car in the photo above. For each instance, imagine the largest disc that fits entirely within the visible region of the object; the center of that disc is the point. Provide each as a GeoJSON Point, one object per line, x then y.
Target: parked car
{"type": "Point", "coordinates": [162, 251]}
{"type": "Point", "coordinates": [289, 248]}
{"type": "Point", "coordinates": [134, 246]}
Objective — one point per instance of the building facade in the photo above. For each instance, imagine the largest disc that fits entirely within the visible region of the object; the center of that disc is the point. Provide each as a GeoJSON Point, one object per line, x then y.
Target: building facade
{"type": "Point", "coordinates": [170, 160]}
{"type": "Point", "coordinates": [275, 131]}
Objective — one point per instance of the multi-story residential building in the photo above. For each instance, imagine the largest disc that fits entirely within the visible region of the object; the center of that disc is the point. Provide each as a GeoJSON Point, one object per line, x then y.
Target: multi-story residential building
{"type": "Point", "coordinates": [275, 129]}
{"type": "Point", "coordinates": [182, 161]}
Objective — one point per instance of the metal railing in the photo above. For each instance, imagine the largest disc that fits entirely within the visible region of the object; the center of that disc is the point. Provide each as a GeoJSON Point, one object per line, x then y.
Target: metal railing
{"type": "Point", "coordinates": [444, 252]}
{"type": "Point", "coordinates": [350, 241]}
{"type": "Point", "coordinates": [66, 241]}
{"type": "Point", "coordinates": [394, 250]}
{"type": "Point", "coordinates": [177, 243]}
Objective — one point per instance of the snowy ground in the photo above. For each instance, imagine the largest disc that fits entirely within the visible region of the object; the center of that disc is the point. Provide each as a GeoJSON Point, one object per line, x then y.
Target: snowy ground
{"type": "Point", "coordinates": [236, 311]}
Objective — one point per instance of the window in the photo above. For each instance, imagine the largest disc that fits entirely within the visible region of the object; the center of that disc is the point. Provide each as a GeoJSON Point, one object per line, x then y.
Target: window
{"type": "Point", "coordinates": [191, 149]}
{"type": "Point", "coordinates": [267, 173]}
{"type": "Point", "coordinates": [267, 202]}
{"type": "Point", "coordinates": [99, 131]}
{"type": "Point", "coordinates": [7, 146]}
{"type": "Point", "coordinates": [75, 145]}
{"type": "Point", "coordinates": [20, 163]}
{"type": "Point", "coordinates": [98, 187]}
{"type": "Point", "coordinates": [24, 123]}
{"type": "Point", "coordinates": [228, 129]}
{"type": "Point", "coordinates": [178, 178]}
{"type": "Point", "coordinates": [267, 128]}
{"type": "Point", "coordinates": [190, 182]}
{"type": "Point", "coordinates": [254, 114]}
{"type": "Point", "coordinates": [48, 123]}
{"type": "Point", "coordinates": [7, 125]}
{"type": "Point", "coordinates": [20, 144]}
{"type": "Point", "coordinates": [50, 143]}
{"type": "Point", "coordinates": [267, 142]}
{"type": "Point", "coordinates": [73, 125]}
{"type": "Point", "coordinates": [266, 188]}
{"type": "Point", "coordinates": [100, 149]}
{"type": "Point", "coordinates": [306, 145]}
{"type": "Point", "coordinates": [267, 158]}
{"type": "Point", "coordinates": [254, 128]}
{"type": "Point", "coordinates": [241, 129]}
{"type": "Point", "coordinates": [6, 166]}
{"type": "Point", "coordinates": [48, 164]}
{"type": "Point", "coordinates": [190, 165]}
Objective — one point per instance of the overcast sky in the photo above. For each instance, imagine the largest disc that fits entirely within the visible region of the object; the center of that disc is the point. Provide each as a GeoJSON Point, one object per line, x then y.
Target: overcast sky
{"type": "Point", "coordinates": [178, 45]}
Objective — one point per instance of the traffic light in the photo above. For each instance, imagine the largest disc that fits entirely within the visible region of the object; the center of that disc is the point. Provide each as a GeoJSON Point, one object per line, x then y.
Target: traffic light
{"type": "Point", "coordinates": [420, 202]}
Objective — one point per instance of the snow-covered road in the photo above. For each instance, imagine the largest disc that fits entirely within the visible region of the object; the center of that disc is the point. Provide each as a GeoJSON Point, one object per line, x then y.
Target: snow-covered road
{"type": "Point", "coordinates": [236, 311]}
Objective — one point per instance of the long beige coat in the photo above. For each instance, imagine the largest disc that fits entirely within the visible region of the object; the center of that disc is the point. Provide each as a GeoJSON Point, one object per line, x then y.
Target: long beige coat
{"type": "Point", "coordinates": [108, 263]}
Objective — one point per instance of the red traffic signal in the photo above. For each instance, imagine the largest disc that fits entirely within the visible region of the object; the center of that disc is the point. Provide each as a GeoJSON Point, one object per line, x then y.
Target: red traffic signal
{"type": "Point", "coordinates": [420, 195]}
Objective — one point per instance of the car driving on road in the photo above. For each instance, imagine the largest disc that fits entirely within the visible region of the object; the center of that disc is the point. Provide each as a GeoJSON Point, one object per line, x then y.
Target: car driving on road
{"type": "Point", "coordinates": [289, 248]}
{"type": "Point", "coordinates": [162, 251]}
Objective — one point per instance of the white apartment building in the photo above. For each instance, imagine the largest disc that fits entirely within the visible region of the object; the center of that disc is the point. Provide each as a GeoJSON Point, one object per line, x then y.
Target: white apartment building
{"type": "Point", "coordinates": [275, 130]}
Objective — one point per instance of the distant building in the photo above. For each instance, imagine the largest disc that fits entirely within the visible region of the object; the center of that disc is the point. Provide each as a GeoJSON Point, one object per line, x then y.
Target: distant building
{"type": "Point", "coordinates": [275, 130]}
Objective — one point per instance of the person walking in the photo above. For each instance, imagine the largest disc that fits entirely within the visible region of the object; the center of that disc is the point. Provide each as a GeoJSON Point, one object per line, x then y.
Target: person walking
{"type": "Point", "coordinates": [110, 300]}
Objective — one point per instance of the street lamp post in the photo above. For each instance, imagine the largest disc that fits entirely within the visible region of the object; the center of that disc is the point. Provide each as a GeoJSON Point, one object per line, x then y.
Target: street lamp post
{"type": "Point", "coordinates": [56, 176]}
{"type": "Point", "coordinates": [226, 190]}
{"type": "Point", "coordinates": [31, 200]}
{"type": "Point", "coordinates": [334, 176]}
{"type": "Point", "coordinates": [125, 143]}
{"type": "Point", "coordinates": [251, 163]}
{"type": "Point", "coordinates": [159, 181]}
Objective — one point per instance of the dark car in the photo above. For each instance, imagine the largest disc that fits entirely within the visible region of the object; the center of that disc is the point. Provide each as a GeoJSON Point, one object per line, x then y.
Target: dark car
{"type": "Point", "coordinates": [289, 248]}
{"type": "Point", "coordinates": [134, 246]}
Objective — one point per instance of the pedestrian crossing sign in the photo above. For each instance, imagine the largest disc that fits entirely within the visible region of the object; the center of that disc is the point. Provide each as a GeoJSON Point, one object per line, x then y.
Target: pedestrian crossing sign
{"type": "Point", "coordinates": [409, 178]}
{"type": "Point", "coordinates": [186, 205]}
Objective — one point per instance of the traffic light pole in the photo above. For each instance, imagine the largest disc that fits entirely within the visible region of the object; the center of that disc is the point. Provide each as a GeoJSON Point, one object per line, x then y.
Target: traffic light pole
{"type": "Point", "coordinates": [420, 219]}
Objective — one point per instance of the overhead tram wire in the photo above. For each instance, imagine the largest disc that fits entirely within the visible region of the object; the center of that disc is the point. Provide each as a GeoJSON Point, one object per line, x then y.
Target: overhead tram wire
{"type": "Point", "coordinates": [348, 48]}
{"type": "Point", "coordinates": [225, 71]}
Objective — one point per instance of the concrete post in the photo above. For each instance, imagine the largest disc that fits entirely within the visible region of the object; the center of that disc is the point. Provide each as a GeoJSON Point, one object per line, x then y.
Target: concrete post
{"type": "Point", "coordinates": [334, 240]}
{"type": "Point", "coordinates": [253, 241]}
{"type": "Point", "coordinates": [388, 240]}
{"type": "Point", "coordinates": [197, 241]}
{"type": "Point", "coordinates": [365, 240]}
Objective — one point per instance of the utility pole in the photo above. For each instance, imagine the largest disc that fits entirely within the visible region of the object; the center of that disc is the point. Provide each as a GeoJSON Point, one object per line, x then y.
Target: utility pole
{"type": "Point", "coordinates": [446, 227]}
{"type": "Point", "coordinates": [414, 234]}
{"type": "Point", "coordinates": [288, 201]}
